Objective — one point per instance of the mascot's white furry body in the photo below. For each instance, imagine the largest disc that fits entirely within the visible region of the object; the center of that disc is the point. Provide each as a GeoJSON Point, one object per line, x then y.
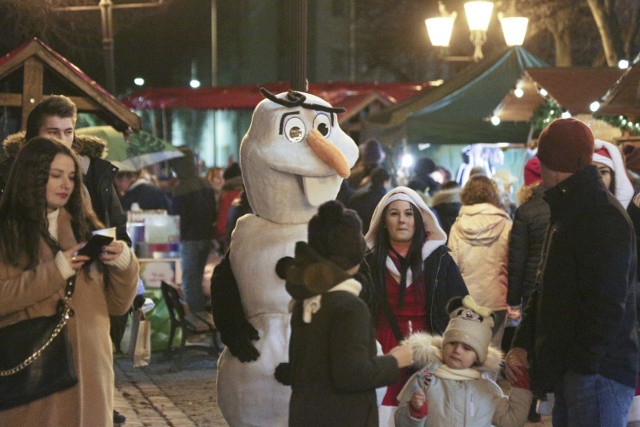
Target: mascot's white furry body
{"type": "Point", "coordinates": [288, 171]}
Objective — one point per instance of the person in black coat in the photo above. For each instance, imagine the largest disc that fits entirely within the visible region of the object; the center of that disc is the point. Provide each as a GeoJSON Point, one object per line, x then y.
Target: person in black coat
{"type": "Point", "coordinates": [333, 369]}
{"type": "Point", "coordinates": [194, 200]}
{"type": "Point", "coordinates": [137, 187]}
{"type": "Point", "coordinates": [578, 331]}
{"type": "Point", "coordinates": [446, 204]}
{"type": "Point", "coordinates": [364, 201]}
{"type": "Point", "coordinates": [530, 224]}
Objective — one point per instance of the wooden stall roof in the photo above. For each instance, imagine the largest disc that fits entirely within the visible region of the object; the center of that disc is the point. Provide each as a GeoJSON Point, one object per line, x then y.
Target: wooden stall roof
{"type": "Point", "coordinates": [573, 88]}
{"type": "Point", "coordinates": [42, 67]}
{"type": "Point", "coordinates": [624, 96]}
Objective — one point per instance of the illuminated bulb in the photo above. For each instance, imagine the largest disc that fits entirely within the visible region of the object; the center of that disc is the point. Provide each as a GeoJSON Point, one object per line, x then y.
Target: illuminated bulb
{"type": "Point", "coordinates": [495, 120]}
{"type": "Point", "coordinates": [594, 106]}
{"type": "Point", "coordinates": [407, 161]}
{"type": "Point", "coordinates": [518, 92]}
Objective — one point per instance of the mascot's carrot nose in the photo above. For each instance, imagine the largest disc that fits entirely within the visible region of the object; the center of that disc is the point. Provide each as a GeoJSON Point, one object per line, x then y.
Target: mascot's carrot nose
{"type": "Point", "coordinates": [329, 153]}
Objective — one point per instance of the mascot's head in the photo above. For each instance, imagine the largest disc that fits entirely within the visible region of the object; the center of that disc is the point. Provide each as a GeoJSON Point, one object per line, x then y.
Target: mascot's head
{"type": "Point", "coordinates": [294, 156]}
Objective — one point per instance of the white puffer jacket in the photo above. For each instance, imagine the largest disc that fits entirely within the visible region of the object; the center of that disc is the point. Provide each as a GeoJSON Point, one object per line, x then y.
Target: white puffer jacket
{"type": "Point", "coordinates": [474, 402]}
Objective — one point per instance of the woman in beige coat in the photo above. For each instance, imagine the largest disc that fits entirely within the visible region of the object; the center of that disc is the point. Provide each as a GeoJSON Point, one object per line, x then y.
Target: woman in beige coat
{"type": "Point", "coordinates": [479, 243]}
{"type": "Point", "coordinates": [43, 217]}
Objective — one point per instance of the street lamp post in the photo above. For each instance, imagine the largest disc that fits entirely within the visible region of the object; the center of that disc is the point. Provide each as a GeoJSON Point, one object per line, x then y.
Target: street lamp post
{"type": "Point", "coordinates": [106, 7]}
{"type": "Point", "coordinates": [478, 15]}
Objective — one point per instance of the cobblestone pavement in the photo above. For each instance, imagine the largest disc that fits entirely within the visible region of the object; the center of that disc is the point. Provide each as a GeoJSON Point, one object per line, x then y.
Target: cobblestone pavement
{"type": "Point", "coordinates": [168, 393]}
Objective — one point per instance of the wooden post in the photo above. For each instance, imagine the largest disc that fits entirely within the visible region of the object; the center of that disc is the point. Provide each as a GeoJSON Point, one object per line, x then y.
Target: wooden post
{"type": "Point", "coordinates": [33, 72]}
{"type": "Point", "coordinates": [299, 35]}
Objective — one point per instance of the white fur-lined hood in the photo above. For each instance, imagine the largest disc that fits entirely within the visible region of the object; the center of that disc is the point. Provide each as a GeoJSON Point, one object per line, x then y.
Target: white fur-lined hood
{"type": "Point", "coordinates": [428, 349]}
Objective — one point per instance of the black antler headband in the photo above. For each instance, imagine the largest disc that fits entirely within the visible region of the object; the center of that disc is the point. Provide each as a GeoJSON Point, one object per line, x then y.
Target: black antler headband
{"type": "Point", "coordinates": [296, 99]}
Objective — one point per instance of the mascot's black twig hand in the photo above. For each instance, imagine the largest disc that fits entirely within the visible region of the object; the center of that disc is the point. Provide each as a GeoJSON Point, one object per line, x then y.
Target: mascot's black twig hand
{"type": "Point", "coordinates": [283, 373]}
{"type": "Point", "coordinates": [250, 332]}
{"type": "Point", "coordinates": [244, 350]}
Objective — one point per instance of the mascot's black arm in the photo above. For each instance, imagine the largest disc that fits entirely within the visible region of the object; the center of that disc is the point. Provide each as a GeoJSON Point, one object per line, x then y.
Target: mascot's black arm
{"type": "Point", "coordinates": [228, 313]}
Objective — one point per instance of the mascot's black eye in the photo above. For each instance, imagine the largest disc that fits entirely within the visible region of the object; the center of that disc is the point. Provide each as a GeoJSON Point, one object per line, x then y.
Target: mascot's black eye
{"type": "Point", "coordinates": [322, 123]}
{"type": "Point", "coordinates": [294, 129]}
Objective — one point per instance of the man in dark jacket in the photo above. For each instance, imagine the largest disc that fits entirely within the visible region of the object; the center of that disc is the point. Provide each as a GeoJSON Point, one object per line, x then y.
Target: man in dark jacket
{"type": "Point", "coordinates": [55, 117]}
{"type": "Point", "coordinates": [364, 201]}
{"type": "Point", "coordinates": [194, 200]}
{"type": "Point", "coordinates": [578, 331]}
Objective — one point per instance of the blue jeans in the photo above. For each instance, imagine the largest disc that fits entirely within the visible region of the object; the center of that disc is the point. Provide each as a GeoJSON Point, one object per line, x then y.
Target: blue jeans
{"type": "Point", "coordinates": [591, 400]}
{"type": "Point", "coordinates": [194, 255]}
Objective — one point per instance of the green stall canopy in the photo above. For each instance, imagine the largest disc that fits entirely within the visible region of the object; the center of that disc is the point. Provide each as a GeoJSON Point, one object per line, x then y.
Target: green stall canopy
{"type": "Point", "coordinates": [458, 111]}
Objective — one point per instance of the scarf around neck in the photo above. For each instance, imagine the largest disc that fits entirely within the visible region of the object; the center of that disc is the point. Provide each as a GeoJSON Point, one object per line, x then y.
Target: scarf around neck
{"type": "Point", "coordinates": [310, 306]}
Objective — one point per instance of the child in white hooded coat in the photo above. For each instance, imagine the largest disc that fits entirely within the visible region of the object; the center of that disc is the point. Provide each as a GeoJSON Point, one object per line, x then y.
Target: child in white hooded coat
{"type": "Point", "coordinates": [453, 387]}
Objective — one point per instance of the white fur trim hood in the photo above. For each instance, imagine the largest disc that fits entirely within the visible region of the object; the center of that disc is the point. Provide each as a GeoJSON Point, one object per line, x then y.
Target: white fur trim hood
{"type": "Point", "coordinates": [428, 349]}
{"type": "Point", "coordinates": [437, 236]}
{"type": "Point", "coordinates": [624, 188]}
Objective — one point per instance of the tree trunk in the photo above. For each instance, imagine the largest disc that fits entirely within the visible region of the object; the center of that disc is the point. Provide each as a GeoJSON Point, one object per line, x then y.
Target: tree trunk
{"type": "Point", "coordinates": [560, 27]}
{"type": "Point", "coordinates": [629, 42]}
{"type": "Point", "coordinates": [604, 14]}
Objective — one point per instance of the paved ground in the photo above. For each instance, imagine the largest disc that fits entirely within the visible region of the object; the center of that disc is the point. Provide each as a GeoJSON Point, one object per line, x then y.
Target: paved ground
{"type": "Point", "coordinates": [167, 393]}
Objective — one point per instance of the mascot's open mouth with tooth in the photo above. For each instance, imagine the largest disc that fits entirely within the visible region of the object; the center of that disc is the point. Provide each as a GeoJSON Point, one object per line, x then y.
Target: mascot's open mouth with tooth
{"type": "Point", "coordinates": [293, 158]}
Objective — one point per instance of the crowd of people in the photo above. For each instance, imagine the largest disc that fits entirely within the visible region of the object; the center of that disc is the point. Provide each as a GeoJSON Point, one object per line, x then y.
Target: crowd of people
{"type": "Point", "coordinates": [424, 286]}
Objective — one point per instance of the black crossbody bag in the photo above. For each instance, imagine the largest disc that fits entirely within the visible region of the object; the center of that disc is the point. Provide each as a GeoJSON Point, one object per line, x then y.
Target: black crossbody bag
{"type": "Point", "coordinates": [36, 359]}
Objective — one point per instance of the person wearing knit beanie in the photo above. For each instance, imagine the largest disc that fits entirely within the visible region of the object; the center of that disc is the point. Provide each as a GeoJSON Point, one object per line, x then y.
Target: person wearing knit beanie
{"type": "Point", "coordinates": [333, 369]}
{"type": "Point", "coordinates": [336, 234]}
{"type": "Point", "coordinates": [584, 353]}
{"type": "Point", "coordinates": [471, 325]}
{"type": "Point", "coordinates": [565, 145]}
{"type": "Point", "coordinates": [453, 385]}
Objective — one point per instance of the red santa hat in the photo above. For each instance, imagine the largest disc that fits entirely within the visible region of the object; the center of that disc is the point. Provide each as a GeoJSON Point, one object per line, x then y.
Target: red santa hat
{"type": "Point", "coordinates": [532, 174]}
{"type": "Point", "coordinates": [601, 155]}
{"type": "Point", "coordinates": [610, 155]}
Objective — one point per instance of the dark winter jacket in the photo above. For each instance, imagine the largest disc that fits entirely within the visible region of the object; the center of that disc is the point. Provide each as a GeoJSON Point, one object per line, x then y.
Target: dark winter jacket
{"type": "Point", "coordinates": [446, 205]}
{"type": "Point", "coordinates": [442, 280]}
{"type": "Point", "coordinates": [525, 245]}
{"type": "Point", "coordinates": [194, 200]}
{"type": "Point", "coordinates": [147, 196]}
{"type": "Point", "coordinates": [334, 368]}
{"type": "Point", "coordinates": [98, 180]}
{"type": "Point", "coordinates": [364, 202]}
{"type": "Point", "coordinates": [582, 316]}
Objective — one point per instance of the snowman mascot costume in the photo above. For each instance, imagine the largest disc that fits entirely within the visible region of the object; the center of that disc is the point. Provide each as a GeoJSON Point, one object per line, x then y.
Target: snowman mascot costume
{"type": "Point", "coordinates": [293, 158]}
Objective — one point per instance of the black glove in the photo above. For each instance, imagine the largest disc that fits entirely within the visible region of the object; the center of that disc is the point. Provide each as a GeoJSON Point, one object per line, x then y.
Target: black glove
{"type": "Point", "coordinates": [283, 373]}
{"type": "Point", "coordinates": [241, 346]}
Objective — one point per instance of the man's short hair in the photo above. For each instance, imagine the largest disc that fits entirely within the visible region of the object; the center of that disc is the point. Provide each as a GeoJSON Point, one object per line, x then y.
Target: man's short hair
{"type": "Point", "coordinates": [379, 176]}
{"type": "Point", "coordinates": [53, 105]}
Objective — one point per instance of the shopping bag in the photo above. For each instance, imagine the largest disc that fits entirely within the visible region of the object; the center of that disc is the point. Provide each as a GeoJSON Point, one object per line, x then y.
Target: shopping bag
{"type": "Point", "coordinates": [140, 343]}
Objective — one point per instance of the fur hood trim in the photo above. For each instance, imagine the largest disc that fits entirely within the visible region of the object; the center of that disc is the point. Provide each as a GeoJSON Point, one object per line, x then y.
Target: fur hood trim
{"type": "Point", "coordinates": [12, 144]}
{"type": "Point", "coordinates": [428, 349]}
{"type": "Point", "coordinates": [90, 146]}
{"type": "Point", "coordinates": [451, 195]}
{"type": "Point", "coordinates": [83, 145]}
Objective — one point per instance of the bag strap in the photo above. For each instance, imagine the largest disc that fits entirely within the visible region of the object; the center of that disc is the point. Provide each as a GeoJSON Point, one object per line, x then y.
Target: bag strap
{"type": "Point", "coordinates": [66, 312]}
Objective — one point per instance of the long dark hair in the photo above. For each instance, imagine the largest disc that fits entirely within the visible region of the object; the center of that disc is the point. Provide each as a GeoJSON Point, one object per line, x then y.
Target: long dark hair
{"type": "Point", "coordinates": [23, 207]}
{"type": "Point", "coordinates": [379, 258]}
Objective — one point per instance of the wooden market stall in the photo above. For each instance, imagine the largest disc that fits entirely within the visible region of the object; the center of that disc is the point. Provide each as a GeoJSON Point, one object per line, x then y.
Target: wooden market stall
{"type": "Point", "coordinates": [34, 70]}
